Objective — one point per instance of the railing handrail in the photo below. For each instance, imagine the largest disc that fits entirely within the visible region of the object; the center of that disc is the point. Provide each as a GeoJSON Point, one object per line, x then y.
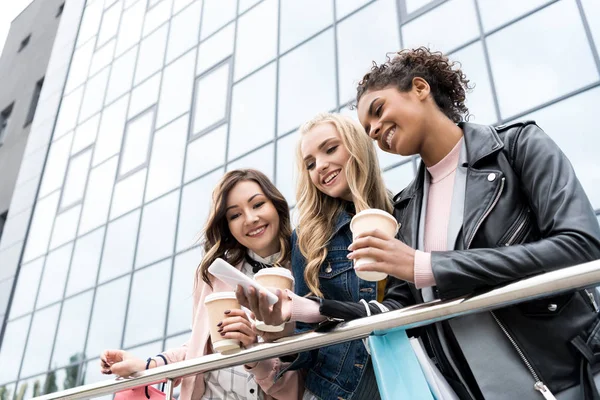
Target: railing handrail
{"type": "Point", "coordinates": [566, 279]}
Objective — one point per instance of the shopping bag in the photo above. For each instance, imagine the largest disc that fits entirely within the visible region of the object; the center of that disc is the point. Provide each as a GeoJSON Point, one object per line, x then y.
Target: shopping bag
{"type": "Point", "coordinates": [139, 393]}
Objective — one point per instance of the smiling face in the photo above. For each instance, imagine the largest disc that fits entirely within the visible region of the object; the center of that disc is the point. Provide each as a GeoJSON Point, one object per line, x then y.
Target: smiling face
{"type": "Point", "coordinates": [395, 119]}
{"type": "Point", "coordinates": [325, 158]}
{"type": "Point", "coordinates": [253, 219]}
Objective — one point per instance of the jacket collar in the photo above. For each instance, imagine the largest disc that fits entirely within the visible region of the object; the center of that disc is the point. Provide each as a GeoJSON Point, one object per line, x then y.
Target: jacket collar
{"type": "Point", "coordinates": [343, 219]}
{"type": "Point", "coordinates": [480, 142]}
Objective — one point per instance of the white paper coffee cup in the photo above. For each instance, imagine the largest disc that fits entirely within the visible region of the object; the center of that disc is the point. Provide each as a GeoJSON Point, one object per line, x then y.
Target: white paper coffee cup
{"type": "Point", "coordinates": [217, 304]}
{"type": "Point", "coordinates": [273, 279]}
{"type": "Point", "coordinates": [367, 220]}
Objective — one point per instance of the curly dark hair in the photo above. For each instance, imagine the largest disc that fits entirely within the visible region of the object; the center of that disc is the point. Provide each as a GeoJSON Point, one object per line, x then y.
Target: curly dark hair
{"type": "Point", "coordinates": [447, 81]}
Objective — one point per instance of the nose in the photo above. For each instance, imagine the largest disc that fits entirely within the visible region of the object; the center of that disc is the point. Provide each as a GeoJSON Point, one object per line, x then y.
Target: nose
{"type": "Point", "coordinates": [251, 218]}
{"type": "Point", "coordinates": [375, 131]}
{"type": "Point", "coordinates": [322, 165]}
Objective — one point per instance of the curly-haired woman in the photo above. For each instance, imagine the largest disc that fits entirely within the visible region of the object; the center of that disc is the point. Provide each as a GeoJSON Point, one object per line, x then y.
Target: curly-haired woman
{"type": "Point", "coordinates": [489, 206]}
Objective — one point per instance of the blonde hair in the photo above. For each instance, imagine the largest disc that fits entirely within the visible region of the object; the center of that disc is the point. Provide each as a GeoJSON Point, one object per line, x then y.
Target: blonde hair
{"type": "Point", "coordinates": [319, 212]}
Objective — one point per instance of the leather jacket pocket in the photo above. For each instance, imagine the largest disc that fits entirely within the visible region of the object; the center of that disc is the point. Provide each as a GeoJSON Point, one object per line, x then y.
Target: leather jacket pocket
{"type": "Point", "coordinates": [547, 307]}
{"type": "Point", "coordinates": [518, 230]}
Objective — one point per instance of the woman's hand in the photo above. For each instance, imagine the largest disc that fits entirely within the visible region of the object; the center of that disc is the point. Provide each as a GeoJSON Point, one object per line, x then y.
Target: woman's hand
{"type": "Point", "coordinates": [236, 325]}
{"type": "Point", "coordinates": [258, 303]}
{"type": "Point", "coordinates": [121, 363]}
{"type": "Point", "coordinates": [392, 256]}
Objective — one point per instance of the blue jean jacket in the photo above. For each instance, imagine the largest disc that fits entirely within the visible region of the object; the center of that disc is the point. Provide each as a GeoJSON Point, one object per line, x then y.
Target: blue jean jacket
{"type": "Point", "coordinates": [334, 372]}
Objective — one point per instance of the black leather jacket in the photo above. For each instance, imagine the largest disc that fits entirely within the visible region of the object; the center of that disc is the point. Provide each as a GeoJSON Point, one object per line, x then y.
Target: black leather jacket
{"type": "Point", "coordinates": [531, 216]}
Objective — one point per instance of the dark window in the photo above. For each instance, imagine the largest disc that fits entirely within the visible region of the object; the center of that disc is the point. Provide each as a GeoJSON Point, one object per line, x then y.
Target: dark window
{"type": "Point", "coordinates": [2, 222]}
{"type": "Point", "coordinates": [61, 8]}
{"type": "Point", "coordinates": [24, 42]}
{"type": "Point", "coordinates": [4, 118]}
{"type": "Point", "coordinates": [34, 101]}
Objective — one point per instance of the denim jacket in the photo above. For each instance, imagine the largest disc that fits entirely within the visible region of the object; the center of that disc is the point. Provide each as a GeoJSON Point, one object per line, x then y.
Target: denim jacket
{"type": "Point", "coordinates": [333, 372]}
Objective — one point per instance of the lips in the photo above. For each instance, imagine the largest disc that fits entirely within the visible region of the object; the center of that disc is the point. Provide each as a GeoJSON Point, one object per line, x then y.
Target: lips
{"type": "Point", "coordinates": [388, 136]}
{"type": "Point", "coordinates": [257, 231]}
{"type": "Point", "coordinates": [327, 179]}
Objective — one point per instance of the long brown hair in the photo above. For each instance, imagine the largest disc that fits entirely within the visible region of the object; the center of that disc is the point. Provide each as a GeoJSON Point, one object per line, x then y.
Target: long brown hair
{"type": "Point", "coordinates": [217, 240]}
{"type": "Point", "coordinates": [318, 211]}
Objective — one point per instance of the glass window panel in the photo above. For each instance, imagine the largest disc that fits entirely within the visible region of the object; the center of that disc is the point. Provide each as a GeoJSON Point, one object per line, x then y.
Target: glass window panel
{"type": "Point", "coordinates": [69, 109]}
{"type": "Point", "coordinates": [157, 15]}
{"type": "Point", "coordinates": [62, 379]}
{"type": "Point", "coordinates": [300, 20]}
{"type": "Point", "coordinates": [252, 105]}
{"type": "Point", "coordinates": [85, 134]}
{"type": "Point", "coordinates": [345, 7]}
{"type": "Point", "coordinates": [184, 31]}
{"type": "Point", "coordinates": [246, 4]}
{"type": "Point", "coordinates": [76, 177]}
{"type": "Point", "coordinates": [216, 14]}
{"type": "Point", "coordinates": [90, 22]}
{"type": "Point", "coordinates": [176, 89]}
{"type": "Point", "coordinates": [65, 226]}
{"type": "Point", "coordinates": [92, 373]}
{"type": "Point", "coordinates": [121, 77]}
{"type": "Point", "coordinates": [129, 194]}
{"type": "Point", "coordinates": [414, 5]}
{"type": "Point", "coordinates": [480, 100]}
{"type": "Point", "coordinates": [179, 5]}
{"type": "Point", "coordinates": [577, 137]}
{"type": "Point", "coordinates": [261, 160]}
{"type": "Point", "coordinates": [259, 25]}
{"type": "Point", "coordinates": [286, 166]}
{"type": "Point", "coordinates": [157, 231]}
{"type": "Point", "coordinates": [119, 246]}
{"type": "Point", "coordinates": [23, 198]}
{"type": "Point", "coordinates": [102, 57]}
{"type": "Point", "coordinates": [110, 23]}
{"type": "Point", "coordinates": [309, 66]}
{"type": "Point", "coordinates": [110, 134]}
{"type": "Point", "coordinates": [37, 353]}
{"type": "Point", "coordinates": [398, 178]}
{"type": "Point", "coordinates": [56, 165]}
{"type": "Point", "coordinates": [147, 350]}
{"type": "Point", "coordinates": [70, 339]}
{"type": "Point", "coordinates": [205, 153]}
{"type": "Point", "coordinates": [146, 303]}
{"type": "Point", "coordinates": [592, 14]}
{"type": "Point", "coordinates": [7, 391]}
{"type": "Point", "coordinates": [97, 196]}
{"type": "Point", "coordinates": [15, 228]}
{"type": "Point", "coordinates": [495, 12]}
{"type": "Point", "coordinates": [554, 58]}
{"type": "Point", "coordinates": [13, 345]}
{"type": "Point", "coordinates": [182, 288]}
{"type": "Point", "coordinates": [5, 292]}
{"type": "Point", "coordinates": [195, 205]}
{"type": "Point", "coordinates": [144, 95]}
{"type": "Point", "coordinates": [216, 48]}
{"type": "Point", "coordinates": [108, 316]}
{"type": "Point", "coordinates": [85, 261]}
{"type": "Point", "coordinates": [54, 276]}
{"type": "Point", "coordinates": [80, 65]}
{"type": "Point", "coordinates": [358, 47]}
{"type": "Point", "coordinates": [27, 284]}
{"type": "Point", "coordinates": [30, 388]}
{"type": "Point", "coordinates": [94, 95]}
{"type": "Point", "coordinates": [131, 27]}
{"type": "Point", "coordinates": [9, 259]}
{"type": "Point", "coordinates": [210, 104]}
{"type": "Point", "coordinates": [151, 54]}
{"type": "Point", "coordinates": [137, 142]}
{"type": "Point", "coordinates": [166, 161]}
{"type": "Point", "coordinates": [41, 227]}
{"type": "Point", "coordinates": [447, 34]}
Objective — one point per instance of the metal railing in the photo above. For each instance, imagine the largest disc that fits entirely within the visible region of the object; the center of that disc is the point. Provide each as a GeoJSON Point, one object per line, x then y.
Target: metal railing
{"type": "Point", "coordinates": [567, 279]}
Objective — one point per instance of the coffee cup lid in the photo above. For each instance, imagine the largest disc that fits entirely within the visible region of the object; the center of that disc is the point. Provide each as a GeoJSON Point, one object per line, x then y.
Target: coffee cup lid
{"type": "Point", "coordinates": [220, 296]}
{"type": "Point", "coordinates": [279, 271]}
{"type": "Point", "coordinates": [376, 211]}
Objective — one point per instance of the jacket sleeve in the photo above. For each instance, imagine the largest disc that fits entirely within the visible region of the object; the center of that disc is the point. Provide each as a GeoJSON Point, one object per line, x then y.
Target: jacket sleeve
{"type": "Point", "coordinates": [570, 233]}
{"type": "Point", "coordinates": [397, 295]}
{"type": "Point", "coordinates": [290, 386]}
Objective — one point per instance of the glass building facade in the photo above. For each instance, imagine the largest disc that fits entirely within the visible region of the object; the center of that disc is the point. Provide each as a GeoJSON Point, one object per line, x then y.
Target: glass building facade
{"type": "Point", "coordinates": [148, 102]}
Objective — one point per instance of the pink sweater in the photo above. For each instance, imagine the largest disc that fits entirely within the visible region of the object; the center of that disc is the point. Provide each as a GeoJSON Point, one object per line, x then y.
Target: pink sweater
{"type": "Point", "coordinates": [290, 386]}
{"type": "Point", "coordinates": [439, 201]}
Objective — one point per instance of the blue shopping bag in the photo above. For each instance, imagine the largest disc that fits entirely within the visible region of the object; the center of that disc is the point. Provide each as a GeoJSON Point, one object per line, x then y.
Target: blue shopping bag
{"type": "Point", "coordinates": [398, 372]}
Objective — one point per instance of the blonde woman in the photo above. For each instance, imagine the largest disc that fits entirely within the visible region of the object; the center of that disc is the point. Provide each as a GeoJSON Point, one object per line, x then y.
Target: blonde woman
{"type": "Point", "coordinates": [339, 175]}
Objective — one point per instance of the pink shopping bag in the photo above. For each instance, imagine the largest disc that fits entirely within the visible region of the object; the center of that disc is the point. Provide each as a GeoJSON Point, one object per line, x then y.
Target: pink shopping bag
{"type": "Point", "coordinates": [139, 393]}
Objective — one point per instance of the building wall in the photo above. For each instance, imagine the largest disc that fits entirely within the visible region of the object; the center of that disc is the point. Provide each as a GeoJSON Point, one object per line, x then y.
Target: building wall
{"type": "Point", "coordinates": [163, 96]}
{"type": "Point", "coordinates": [19, 73]}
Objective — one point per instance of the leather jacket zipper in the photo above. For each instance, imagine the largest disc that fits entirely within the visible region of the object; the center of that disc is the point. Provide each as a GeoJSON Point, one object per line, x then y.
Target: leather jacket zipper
{"type": "Point", "coordinates": [538, 385]}
{"type": "Point", "coordinates": [489, 210]}
{"type": "Point", "coordinates": [516, 235]}
{"type": "Point", "coordinates": [592, 300]}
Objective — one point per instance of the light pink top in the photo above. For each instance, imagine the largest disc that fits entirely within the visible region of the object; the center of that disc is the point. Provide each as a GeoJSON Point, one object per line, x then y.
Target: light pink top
{"type": "Point", "coordinates": [437, 216]}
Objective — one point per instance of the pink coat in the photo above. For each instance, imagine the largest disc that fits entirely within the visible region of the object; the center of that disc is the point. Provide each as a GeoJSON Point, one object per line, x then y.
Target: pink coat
{"type": "Point", "coordinates": [289, 387]}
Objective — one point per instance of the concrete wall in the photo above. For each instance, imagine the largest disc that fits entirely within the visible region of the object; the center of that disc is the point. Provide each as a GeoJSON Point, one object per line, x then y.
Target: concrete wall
{"type": "Point", "coordinates": [19, 73]}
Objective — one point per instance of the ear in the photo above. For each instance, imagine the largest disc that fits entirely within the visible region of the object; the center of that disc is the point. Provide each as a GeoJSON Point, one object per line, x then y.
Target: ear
{"type": "Point", "coordinates": [421, 87]}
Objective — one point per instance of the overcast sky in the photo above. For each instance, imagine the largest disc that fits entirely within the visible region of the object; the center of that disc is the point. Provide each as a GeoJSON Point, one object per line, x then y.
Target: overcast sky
{"type": "Point", "coordinates": [9, 9]}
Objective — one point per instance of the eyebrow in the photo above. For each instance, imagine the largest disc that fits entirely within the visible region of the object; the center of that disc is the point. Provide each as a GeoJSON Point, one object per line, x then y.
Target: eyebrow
{"type": "Point", "coordinates": [323, 144]}
{"type": "Point", "coordinates": [249, 200]}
